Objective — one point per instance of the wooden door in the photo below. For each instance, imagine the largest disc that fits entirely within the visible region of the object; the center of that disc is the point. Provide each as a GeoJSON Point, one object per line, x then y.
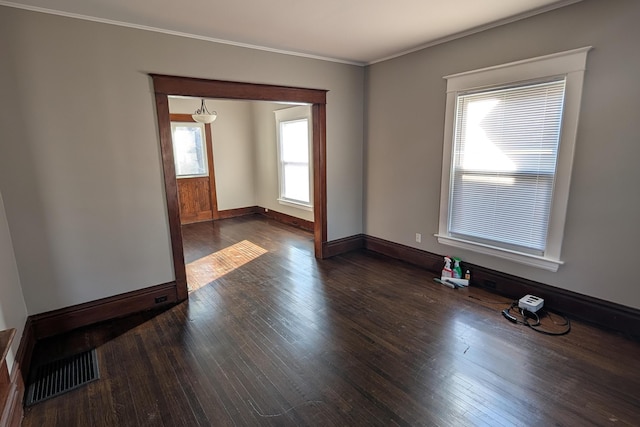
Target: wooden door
{"type": "Point", "coordinates": [197, 194]}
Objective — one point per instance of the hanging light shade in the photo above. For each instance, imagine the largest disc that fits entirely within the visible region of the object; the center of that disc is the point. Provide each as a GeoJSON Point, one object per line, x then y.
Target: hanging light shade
{"type": "Point", "coordinates": [202, 114]}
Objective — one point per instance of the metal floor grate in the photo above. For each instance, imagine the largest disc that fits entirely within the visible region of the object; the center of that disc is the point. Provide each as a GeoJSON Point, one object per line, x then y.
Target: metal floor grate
{"type": "Point", "coordinates": [62, 375]}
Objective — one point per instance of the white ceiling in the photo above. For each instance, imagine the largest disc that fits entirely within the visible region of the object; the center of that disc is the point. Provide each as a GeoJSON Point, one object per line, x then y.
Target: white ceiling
{"type": "Point", "coordinates": [352, 31]}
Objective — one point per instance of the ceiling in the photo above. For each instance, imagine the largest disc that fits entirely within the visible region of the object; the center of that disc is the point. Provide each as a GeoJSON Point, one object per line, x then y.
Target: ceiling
{"type": "Point", "coordinates": [352, 31]}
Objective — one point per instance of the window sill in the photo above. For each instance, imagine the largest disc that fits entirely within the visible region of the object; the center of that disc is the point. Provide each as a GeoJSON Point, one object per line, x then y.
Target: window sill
{"type": "Point", "coordinates": [205, 175]}
{"type": "Point", "coordinates": [519, 257]}
{"type": "Point", "coordinates": [298, 205]}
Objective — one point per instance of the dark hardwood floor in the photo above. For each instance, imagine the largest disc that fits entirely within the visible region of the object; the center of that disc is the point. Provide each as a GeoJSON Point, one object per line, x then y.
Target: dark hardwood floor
{"type": "Point", "coordinates": [272, 336]}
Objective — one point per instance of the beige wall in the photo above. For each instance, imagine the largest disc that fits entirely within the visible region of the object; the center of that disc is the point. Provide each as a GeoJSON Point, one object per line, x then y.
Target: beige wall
{"type": "Point", "coordinates": [245, 153]}
{"type": "Point", "coordinates": [406, 100]}
{"type": "Point", "coordinates": [265, 139]}
{"type": "Point", "coordinates": [233, 149]}
{"type": "Point", "coordinates": [13, 312]}
{"type": "Point", "coordinates": [80, 165]}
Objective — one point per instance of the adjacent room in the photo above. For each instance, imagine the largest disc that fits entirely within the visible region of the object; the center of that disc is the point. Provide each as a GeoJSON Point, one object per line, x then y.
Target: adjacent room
{"type": "Point", "coordinates": [254, 160]}
{"type": "Point", "coordinates": [330, 213]}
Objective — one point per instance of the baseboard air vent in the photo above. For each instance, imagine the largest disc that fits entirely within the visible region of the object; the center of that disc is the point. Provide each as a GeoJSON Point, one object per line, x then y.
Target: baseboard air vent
{"type": "Point", "coordinates": [61, 376]}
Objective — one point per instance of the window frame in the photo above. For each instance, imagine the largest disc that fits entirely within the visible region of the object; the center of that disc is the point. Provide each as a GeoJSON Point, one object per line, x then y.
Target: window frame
{"type": "Point", "coordinates": [205, 153]}
{"type": "Point", "coordinates": [293, 114]}
{"type": "Point", "coordinates": [570, 64]}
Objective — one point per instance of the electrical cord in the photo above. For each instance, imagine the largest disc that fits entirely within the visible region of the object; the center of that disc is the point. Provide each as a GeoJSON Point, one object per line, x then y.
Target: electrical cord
{"type": "Point", "coordinates": [532, 319]}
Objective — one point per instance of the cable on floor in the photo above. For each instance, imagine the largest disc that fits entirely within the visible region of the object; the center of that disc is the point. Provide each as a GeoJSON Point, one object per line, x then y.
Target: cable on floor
{"type": "Point", "coordinates": [521, 316]}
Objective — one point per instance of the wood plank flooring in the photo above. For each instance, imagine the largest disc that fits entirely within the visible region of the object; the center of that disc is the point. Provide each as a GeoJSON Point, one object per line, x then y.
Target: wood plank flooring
{"type": "Point", "coordinates": [272, 336]}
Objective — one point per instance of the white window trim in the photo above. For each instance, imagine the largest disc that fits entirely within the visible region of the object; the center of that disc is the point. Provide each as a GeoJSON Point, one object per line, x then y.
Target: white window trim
{"type": "Point", "coordinates": [570, 64]}
{"type": "Point", "coordinates": [285, 115]}
{"type": "Point", "coordinates": [295, 204]}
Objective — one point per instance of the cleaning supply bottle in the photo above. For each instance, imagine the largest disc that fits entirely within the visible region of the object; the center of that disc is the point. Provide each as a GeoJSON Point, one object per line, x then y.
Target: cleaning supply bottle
{"type": "Point", "coordinates": [467, 275]}
{"type": "Point", "coordinates": [457, 270]}
{"type": "Point", "coordinates": [446, 271]}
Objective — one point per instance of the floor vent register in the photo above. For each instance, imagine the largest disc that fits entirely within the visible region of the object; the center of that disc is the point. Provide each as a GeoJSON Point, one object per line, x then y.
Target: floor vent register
{"type": "Point", "coordinates": [61, 376]}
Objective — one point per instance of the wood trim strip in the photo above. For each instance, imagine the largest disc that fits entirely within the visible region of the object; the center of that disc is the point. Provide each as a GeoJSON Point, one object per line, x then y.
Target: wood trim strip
{"type": "Point", "coordinates": [67, 319]}
{"type": "Point", "coordinates": [344, 245]}
{"type": "Point", "coordinates": [25, 349]}
{"type": "Point", "coordinates": [7, 383]}
{"type": "Point", "coordinates": [178, 117]}
{"type": "Point", "coordinates": [319, 117]}
{"type": "Point", "coordinates": [213, 192]}
{"type": "Point", "coordinates": [588, 309]}
{"type": "Point", "coordinates": [205, 88]}
{"type": "Point", "coordinates": [428, 260]}
{"type": "Point", "coordinates": [171, 189]}
{"type": "Point", "coordinates": [11, 384]}
{"type": "Point", "coordinates": [13, 411]}
{"type": "Point", "coordinates": [287, 219]}
{"type": "Point", "coordinates": [233, 213]}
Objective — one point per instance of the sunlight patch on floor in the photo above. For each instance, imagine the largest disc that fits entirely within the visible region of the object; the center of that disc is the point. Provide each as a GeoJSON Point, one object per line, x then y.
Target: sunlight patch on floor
{"type": "Point", "coordinates": [211, 267]}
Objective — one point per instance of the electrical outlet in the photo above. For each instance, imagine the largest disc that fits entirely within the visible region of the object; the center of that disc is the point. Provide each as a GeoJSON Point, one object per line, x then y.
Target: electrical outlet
{"type": "Point", "coordinates": [418, 237]}
{"type": "Point", "coordinates": [163, 298]}
{"type": "Point", "coordinates": [489, 284]}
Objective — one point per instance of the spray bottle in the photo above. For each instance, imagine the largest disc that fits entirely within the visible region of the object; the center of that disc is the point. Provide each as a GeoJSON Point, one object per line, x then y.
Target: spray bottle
{"type": "Point", "coordinates": [446, 271]}
{"type": "Point", "coordinates": [457, 270]}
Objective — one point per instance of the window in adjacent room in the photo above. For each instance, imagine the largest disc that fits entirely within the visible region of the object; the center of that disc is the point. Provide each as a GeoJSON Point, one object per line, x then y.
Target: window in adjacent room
{"type": "Point", "coordinates": [189, 149]}
{"type": "Point", "coordinates": [509, 141]}
{"type": "Point", "coordinates": [293, 128]}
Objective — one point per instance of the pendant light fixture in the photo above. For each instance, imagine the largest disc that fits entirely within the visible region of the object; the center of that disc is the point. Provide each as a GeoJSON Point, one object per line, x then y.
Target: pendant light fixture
{"type": "Point", "coordinates": [202, 115]}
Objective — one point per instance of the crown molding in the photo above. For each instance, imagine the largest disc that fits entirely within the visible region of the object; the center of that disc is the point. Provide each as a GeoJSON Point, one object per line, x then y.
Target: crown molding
{"type": "Point", "coordinates": [175, 33]}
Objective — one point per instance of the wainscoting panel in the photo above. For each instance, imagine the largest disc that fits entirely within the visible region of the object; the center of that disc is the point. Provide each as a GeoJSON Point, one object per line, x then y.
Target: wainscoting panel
{"type": "Point", "coordinates": [194, 195]}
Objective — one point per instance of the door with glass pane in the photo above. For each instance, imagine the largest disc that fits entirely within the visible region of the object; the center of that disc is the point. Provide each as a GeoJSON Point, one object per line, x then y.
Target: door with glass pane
{"type": "Point", "coordinates": [193, 156]}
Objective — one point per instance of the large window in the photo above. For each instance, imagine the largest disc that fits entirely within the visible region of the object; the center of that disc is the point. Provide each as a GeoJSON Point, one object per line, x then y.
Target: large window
{"type": "Point", "coordinates": [189, 149]}
{"type": "Point", "coordinates": [508, 152]}
{"type": "Point", "coordinates": [293, 127]}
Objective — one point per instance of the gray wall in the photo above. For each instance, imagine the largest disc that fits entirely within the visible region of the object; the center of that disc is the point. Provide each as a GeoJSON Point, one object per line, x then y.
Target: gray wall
{"type": "Point", "coordinates": [404, 138]}
{"type": "Point", "coordinates": [80, 166]}
{"type": "Point", "coordinates": [245, 153]}
{"type": "Point", "coordinates": [233, 149]}
{"type": "Point", "coordinates": [265, 140]}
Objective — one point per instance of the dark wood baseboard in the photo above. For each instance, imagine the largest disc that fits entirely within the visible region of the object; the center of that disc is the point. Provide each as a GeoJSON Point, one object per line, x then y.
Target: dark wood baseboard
{"type": "Point", "coordinates": [287, 219]}
{"type": "Point", "coordinates": [199, 217]}
{"type": "Point", "coordinates": [67, 319]}
{"type": "Point", "coordinates": [269, 213]}
{"type": "Point", "coordinates": [592, 310]}
{"type": "Point", "coordinates": [232, 213]}
{"type": "Point", "coordinates": [428, 260]}
{"type": "Point", "coordinates": [344, 245]}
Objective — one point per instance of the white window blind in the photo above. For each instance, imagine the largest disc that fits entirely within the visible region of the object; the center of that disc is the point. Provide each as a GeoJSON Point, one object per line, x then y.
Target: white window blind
{"type": "Point", "coordinates": [189, 149]}
{"type": "Point", "coordinates": [294, 157]}
{"type": "Point", "coordinates": [504, 161]}
{"type": "Point", "coordinates": [294, 142]}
